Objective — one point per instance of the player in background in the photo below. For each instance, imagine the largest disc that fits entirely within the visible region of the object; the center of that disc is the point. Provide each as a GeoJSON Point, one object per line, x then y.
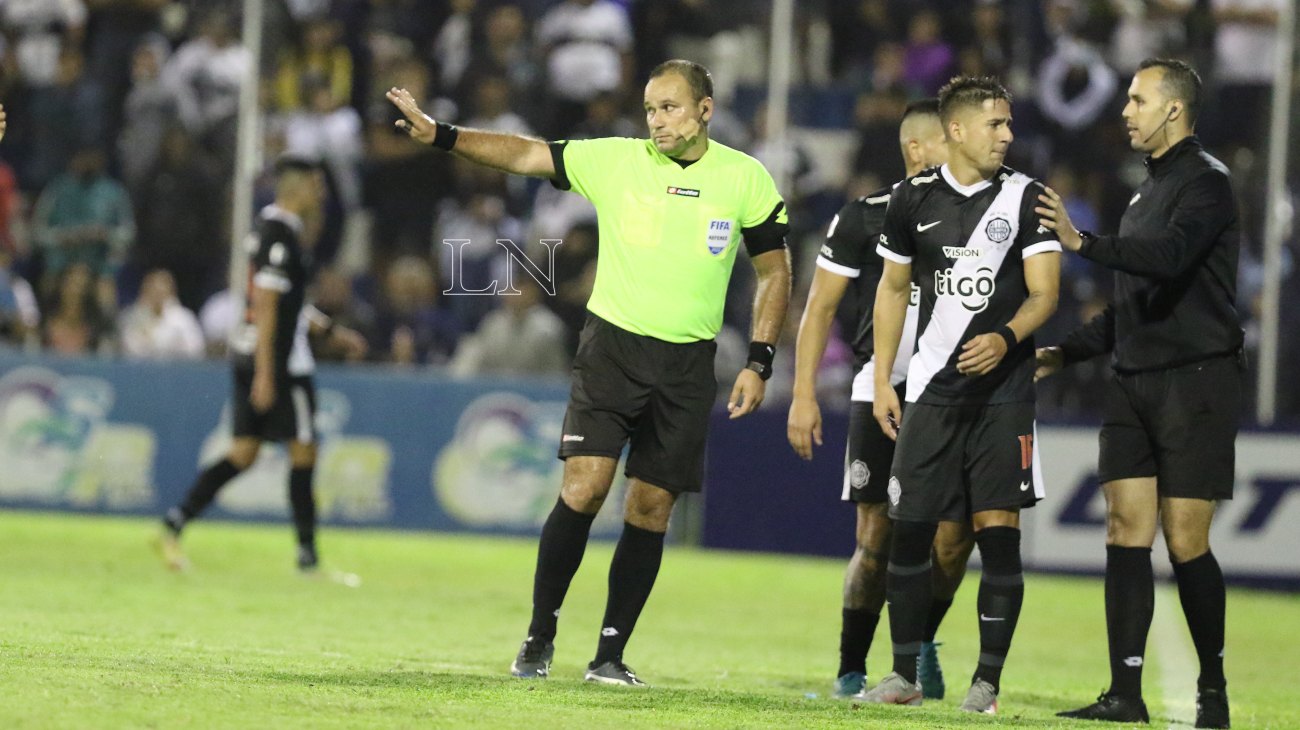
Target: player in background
{"type": "Point", "coordinates": [274, 390]}
{"type": "Point", "coordinates": [849, 260]}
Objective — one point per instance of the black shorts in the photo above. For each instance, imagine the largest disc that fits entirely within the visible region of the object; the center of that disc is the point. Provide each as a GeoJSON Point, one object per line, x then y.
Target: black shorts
{"type": "Point", "coordinates": [868, 457]}
{"type": "Point", "coordinates": [291, 418]}
{"type": "Point", "coordinates": [1177, 425]}
{"type": "Point", "coordinates": [954, 461]}
{"type": "Point", "coordinates": [654, 393]}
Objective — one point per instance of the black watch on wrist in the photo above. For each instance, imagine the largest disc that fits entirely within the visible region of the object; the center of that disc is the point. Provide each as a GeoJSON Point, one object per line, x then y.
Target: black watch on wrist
{"type": "Point", "coordinates": [764, 371]}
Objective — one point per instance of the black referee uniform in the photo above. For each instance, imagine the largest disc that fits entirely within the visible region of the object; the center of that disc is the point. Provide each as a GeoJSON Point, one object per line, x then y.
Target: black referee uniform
{"type": "Point", "coordinates": [1172, 407]}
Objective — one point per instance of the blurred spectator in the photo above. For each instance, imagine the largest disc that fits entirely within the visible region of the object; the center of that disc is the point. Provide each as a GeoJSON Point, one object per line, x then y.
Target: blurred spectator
{"type": "Point", "coordinates": [1245, 52]}
{"type": "Point", "coordinates": [40, 30]}
{"type": "Point", "coordinates": [452, 44]}
{"type": "Point", "coordinates": [520, 337]}
{"type": "Point", "coordinates": [320, 61]}
{"type": "Point", "coordinates": [480, 218]}
{"type": "Point", "coordinates": [410, 326]}
{"type": "Point", "coordinates": [77, 323]}
{"type": "Point", "coordinates": [575, 276]}
{"type": "Point", "coordinates": [20, 316]}
{"type": "Point", "coordinates": [928, 58]}
{"type": "Point", "coordinates": [505, 50]}
{"type": "Point", "coordinates": [604, 118]}
{"type": "Point", "coordinates": [491, 108]}
{"type": "Point", "coordinates": [858, 28]}
{"type": "Point", "coordinates": [179, 212]}
{"type": "Point", "coordinates": [150, 108]}
{"type": "Point", "coordinates": [11, 215]}
{"type": "Point", "coordinates": [877, 114]}
{"type": "Point", "coordinates": [157, 327]}
{"type": "Point", "coordinates": [117, 28]}
{"type": "Point", "coordinates": [329, 131]}
{"type": "Point", "coordinates": [83, 217]}
{"type": "Point", "coordinates": [1075, 89]}
{"type": "Point", "coordinates": [991, 44]}
{"type": "Point", "coordinates": [588, 49]}
{"type": "Point", "coordinates": [1147, 29]}
{"type": "Point", "coordinates": [403, 180]}
{"type": "Point", "coordinates": [205, 74]}
{"type": "Point", "coordinates": [65, 116]}
{"type": "Point", "coordinates": [217, 318]}
{"type": "Point", "coordinates": [335, 297]}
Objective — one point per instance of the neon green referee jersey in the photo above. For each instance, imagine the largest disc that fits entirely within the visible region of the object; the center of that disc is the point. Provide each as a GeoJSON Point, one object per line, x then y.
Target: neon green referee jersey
{"type": "Point", "coordinates": [668, 234]}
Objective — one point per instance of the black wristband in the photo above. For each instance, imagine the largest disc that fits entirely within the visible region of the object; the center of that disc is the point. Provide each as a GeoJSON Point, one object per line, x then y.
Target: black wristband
{"type": "Point", "coordinates": [1008, 335]}
{"type": "Point", "coordinates": [761, 355]}
{"type": "Point", "coordinates": [445, 136]}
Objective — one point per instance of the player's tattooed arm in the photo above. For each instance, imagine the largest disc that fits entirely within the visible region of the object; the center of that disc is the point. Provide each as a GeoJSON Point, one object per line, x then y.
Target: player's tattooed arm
{"type": "Point", "coordinates": [265, 304]}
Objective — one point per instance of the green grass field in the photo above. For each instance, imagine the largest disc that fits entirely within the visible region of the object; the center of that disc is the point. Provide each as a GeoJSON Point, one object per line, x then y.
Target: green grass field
{"type": "Point", "coordinates": [95, 634]}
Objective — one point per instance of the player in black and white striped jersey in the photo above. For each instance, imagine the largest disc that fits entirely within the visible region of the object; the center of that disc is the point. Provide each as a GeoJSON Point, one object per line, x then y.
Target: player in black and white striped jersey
{"type": "Point", "coordinates": [849, 264]}
{"type": "Point", "coordinates": [967, 234]}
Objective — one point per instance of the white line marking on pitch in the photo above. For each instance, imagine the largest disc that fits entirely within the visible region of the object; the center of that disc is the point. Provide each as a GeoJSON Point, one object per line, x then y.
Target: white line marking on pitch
{"type": "Point", "coordinates": [1177, 660]}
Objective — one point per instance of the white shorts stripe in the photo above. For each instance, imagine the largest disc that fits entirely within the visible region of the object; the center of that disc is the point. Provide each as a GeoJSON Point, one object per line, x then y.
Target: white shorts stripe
{"type": "Point", "coordinates": [302, 415]}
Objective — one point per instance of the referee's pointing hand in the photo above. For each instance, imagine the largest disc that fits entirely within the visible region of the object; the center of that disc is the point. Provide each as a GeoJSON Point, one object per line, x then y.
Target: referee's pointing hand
{"type": "Point", "coordinates": [417, 124]}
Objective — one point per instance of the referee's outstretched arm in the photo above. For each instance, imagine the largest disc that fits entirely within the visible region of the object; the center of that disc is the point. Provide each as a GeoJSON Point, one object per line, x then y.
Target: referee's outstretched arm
{"type": "Point", "coordinates": [506, 152]}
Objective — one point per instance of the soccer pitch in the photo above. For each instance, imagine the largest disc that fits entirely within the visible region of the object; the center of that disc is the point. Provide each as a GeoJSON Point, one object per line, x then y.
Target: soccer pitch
{"type": "Point", "coordinates": [95, 634]}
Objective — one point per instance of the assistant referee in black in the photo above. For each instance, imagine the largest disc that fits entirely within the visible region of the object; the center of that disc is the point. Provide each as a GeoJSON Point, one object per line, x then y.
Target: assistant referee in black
{"type": "Point", "coordinates": [1172, 405]}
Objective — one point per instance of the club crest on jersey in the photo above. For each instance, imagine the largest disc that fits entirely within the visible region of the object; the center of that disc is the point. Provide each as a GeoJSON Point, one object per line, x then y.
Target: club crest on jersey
{"type": "Point", "coordinates": [895, 491]}
{"type": "Point", "coordinates": [859, 473]}
{"type": "Point", "coordinates": [998, 230]}
{"type": "Point", "coordinates": [973, 290]}
{"type": "Point", "coordinates": [719, 236]}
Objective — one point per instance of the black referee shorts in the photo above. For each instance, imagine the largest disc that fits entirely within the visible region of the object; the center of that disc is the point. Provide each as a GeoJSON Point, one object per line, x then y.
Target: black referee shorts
{"type": "Point", "coordinates": [291, 418]}
{"type": "Point", "coordinates": [658, 395]}
{"type": "Point", "coordinates": [1177, 425]}
{"type": "Point", "coordinates": [868, 455]}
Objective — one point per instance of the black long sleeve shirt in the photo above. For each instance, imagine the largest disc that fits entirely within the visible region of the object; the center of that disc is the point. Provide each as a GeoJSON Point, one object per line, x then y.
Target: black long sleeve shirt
{"type": "Point", "coordinates": [1175, 263]}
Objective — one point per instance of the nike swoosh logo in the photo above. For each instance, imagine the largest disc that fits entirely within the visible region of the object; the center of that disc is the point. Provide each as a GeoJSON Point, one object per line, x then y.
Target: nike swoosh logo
{"type": "Point", "coordinates": [923, 228]}
{"type": "Point", "coordinates": [1024, 486]}
{"type": "Point", "coordinates": [990, 618]}
{"type": "Point", "coordinates": [1135, 198]}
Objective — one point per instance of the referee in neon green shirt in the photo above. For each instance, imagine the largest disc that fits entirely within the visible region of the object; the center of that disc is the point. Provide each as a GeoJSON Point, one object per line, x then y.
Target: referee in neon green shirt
{"type": "Point", "coordinates": [672, 211]}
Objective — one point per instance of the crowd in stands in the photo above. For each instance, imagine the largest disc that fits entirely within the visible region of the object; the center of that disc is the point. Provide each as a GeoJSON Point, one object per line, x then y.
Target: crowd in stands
{"type": "Point", "coordinates": [115, 175]}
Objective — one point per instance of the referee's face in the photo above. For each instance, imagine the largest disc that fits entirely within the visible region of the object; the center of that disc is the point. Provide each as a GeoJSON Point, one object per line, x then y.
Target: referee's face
{"type": "Point", "coordinates": [1147, 112]}
{"type": "Point", "coordinates": [983, 134]}
{"type": "Point", "coordinates": [675, 118]}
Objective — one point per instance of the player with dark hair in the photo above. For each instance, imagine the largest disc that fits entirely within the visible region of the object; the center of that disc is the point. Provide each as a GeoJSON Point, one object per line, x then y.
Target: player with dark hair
{"type": "Point", "coordinates": [274, 393]}
{"type": "Point", "coordinates": [672, 210]}
{"type": "Point", "coordinates": [967, 235]}
{"type": "Point", "coordinates": [849, 259]}
{"type": "Point", "coordinates": [1169, 425]}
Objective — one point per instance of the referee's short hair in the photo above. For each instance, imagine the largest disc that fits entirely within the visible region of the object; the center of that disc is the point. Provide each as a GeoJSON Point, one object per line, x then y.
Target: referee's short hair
{"type": "Point", "coordinates": [963, 91]}
{"type": "Point", "coordinates": [1180, 81]}
{"type": "Point", "coordinates": [696, 75]}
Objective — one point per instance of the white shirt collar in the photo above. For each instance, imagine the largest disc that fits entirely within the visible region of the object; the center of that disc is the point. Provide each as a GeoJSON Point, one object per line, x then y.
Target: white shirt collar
{"type": "Point", "coordinates": [967, 190]}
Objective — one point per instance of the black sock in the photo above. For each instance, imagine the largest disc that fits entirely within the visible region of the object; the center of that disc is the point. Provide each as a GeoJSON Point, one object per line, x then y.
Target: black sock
{"type": "Point", "coordinates": [909, 589]}
{"type": "Point", "coordinates": [1002, 592]}
{"type": "Point", "coordinates": [559, 553]}
{"type": "Point", "coordinates": [201, 494]}
{"type": "Point", "coordinates": [1130, 602]}
{"type": "Point", "coordinates": [303, 503]}
{"type": "Point", "coordinates": [857, 627]}
{"type": "Point", "coordinates": [1201, 591]}
{"type": "Point", "coordinates": [938, 609]}
{"type": "Point", "coordinates": [632, 574]}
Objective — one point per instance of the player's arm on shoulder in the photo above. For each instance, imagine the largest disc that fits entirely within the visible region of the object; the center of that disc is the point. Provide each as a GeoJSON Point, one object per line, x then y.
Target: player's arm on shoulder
{"type": "Point", "coordinates": [1204, 209]}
